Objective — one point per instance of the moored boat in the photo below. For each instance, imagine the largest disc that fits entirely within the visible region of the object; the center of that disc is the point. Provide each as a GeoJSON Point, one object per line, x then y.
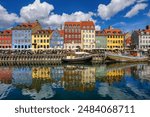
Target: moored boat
{"type": "Point", "coordinates": [125, 58]}
{"type": "Point", "coordinates": [77, 57]}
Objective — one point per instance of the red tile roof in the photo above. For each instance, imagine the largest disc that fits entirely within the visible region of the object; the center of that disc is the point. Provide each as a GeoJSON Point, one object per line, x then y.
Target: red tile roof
{"type": "Point", "coordinates": [100, 33]}
{"type": "Point", "coordinates": [49, 31]}
{"type": "Point", "coordinates": [27, 25]}
{"type": "Point", "coordinates": [72, 23]}
{"type": "Point", "coordinates": [147, 31]}
{"type": "Point", "coordinates": [6, 32]}
{"type": "Point", "coordinates": [113, 31]}
{"type": "Point", "coordinates": [83, 24]}
{"type": "Point", "coordinates": [87, 25]}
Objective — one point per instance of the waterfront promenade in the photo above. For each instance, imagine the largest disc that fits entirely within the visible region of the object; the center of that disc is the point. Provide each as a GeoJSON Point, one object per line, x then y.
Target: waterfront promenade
{"type": "Point", "coordinates": [49, 56]}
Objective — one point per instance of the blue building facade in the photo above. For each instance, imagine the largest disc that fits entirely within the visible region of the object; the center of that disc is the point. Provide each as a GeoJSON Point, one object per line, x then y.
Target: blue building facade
{"type": "Point", "coordinates": [57, 40]}
{"type": "Point", "coordinates": [21, 39]}
{"type": "Point", "coordinates": [22, 35]}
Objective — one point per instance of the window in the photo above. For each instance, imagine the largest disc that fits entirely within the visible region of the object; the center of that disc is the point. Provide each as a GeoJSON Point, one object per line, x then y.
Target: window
{"type": "Point", "coordinates": [86, 36]}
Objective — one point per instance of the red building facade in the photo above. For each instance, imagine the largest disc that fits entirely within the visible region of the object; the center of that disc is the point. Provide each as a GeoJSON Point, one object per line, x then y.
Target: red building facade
{"type": "Point", "coordinates": [72, 35]}
{"type": "Point", "coordinates": [6, 39]}
{"type": "Point", "coordinates": [6, 75]}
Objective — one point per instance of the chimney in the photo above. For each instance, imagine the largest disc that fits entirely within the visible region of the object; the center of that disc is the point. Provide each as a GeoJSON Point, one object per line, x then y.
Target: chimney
{"type": "Point", "coordinates": [110, 27]}
{"type": "Point", "coordinates": [148, 27]}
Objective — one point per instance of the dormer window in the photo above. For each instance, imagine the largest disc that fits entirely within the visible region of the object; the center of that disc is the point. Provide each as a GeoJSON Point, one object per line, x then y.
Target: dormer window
{"type": "Point", "coordinates": [142, 32]}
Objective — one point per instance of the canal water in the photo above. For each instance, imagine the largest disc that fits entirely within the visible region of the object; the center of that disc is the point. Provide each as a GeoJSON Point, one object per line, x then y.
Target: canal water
{"type": "Point", "coordinates": [117, 81]}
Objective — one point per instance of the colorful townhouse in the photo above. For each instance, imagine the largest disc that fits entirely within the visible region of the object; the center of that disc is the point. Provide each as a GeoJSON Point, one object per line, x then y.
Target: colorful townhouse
{"type": "Point", "coordinates": [87, 35]}
{"type": "Point", "coordinates": [72, 35]}
{"type": "Point", "coordinates": [6, 39]}
{"type": "Point", "coordinates": [57, 40]}
{"type": "Point", "coordinates": [141, 39]}
{"type": "Point", "coordinates": [101, 40]}
{"type": "Point", "coordinates": [22, 35]}
{"type": "Point", "coordinates": [128, 40]}
{"type": "Point", "coordinates": [41, 39]}
{"type": "Point", "coordinates": [115, 38]}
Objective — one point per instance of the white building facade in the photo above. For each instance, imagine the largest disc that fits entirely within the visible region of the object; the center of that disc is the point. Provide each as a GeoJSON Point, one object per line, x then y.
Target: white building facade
{"type": "Point", "coordinates": [88, 35]}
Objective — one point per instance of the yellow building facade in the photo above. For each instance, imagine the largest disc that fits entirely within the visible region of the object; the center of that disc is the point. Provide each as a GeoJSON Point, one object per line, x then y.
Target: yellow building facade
{"type": "Point", "coordinates": [41, 39]}
{"type": "Point", "coordinates": [115, 39]}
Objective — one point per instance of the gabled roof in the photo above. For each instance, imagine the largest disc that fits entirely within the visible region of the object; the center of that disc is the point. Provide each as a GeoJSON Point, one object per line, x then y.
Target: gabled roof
{"type": "Point", "coordinates": [112, 31]}
{"type": "Point", "coordinates": [100, 33]}
{"type": "Point", "coordinates": [27, 25]}
{"type": "Point", "coordinates": [87, 25]}
{"type": "Point", "coordinates": [49, 31]}
{"type": "Point", "coordinates": [6, 32]}
{"type": "Point", "coordinates": [72, 23]}
{"type": "Point", "coordinates": [83, 24]}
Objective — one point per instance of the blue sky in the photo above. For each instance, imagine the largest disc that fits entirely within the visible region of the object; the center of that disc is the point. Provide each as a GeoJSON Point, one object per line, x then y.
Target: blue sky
{"type": "Point", "coordinates": [127, 15]}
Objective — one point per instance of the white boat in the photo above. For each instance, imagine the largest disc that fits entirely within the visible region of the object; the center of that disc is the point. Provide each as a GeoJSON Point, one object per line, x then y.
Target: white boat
{"type": "Point", "coordinates": [77, 57]}
{"type": "Point", "coordinates": [126, 58]}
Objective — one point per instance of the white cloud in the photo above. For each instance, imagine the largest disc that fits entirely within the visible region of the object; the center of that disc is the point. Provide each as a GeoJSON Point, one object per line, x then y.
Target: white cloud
{"type": "Point", "coordinates": [56, 19]}
{"type": "Point", "coordinates": [139, 1]}
{"type": "Point", "coordinates": [148, 14]}
{"type": "Point", "coordinates": [135, 10]}
{"type": "Point", "coordinates": [97, 27]}
{"type": "Point", "coordinates": [37, 10]}
{"type": "Point", "coordinates": [119, 24]}
{"type": "Point", "coordinates": [115, 6]}
{"type": "Point", "coordinates": [43, 12]}
{"type": "Point", "coordinates": [6, 19]}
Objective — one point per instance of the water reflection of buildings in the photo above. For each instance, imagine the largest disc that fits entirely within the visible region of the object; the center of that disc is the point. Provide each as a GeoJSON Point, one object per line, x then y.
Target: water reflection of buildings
{"type": "Point", "coordinates": [57, 73]}
{"type": "Point", "coordinates": [100, 72]}
{"type": "Point", "coordinates": [130, 87]}
{"type": "Point", "coordinates": [5, 81]}
{"type": "Point", "coordinates": [144, 71]}
{"type": "Point", "coordinates": [41, 84]}
{"type": "Point", "coordinates": [40, 76]}
{"type": "Point", "coordinates": [21, 76]}
{"type": "Point", "coordinates": [5, 75]}
{"type": "Point", "coordinates": [111, 73]}
{"type": "Point", "coordinates": [79, 78]}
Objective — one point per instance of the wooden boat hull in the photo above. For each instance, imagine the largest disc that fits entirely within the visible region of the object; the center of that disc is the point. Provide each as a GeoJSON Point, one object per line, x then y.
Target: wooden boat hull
{"type": "Point", "coordinates": [121, 58]}
{"type": "Point", "coordinates": [77, 60]}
